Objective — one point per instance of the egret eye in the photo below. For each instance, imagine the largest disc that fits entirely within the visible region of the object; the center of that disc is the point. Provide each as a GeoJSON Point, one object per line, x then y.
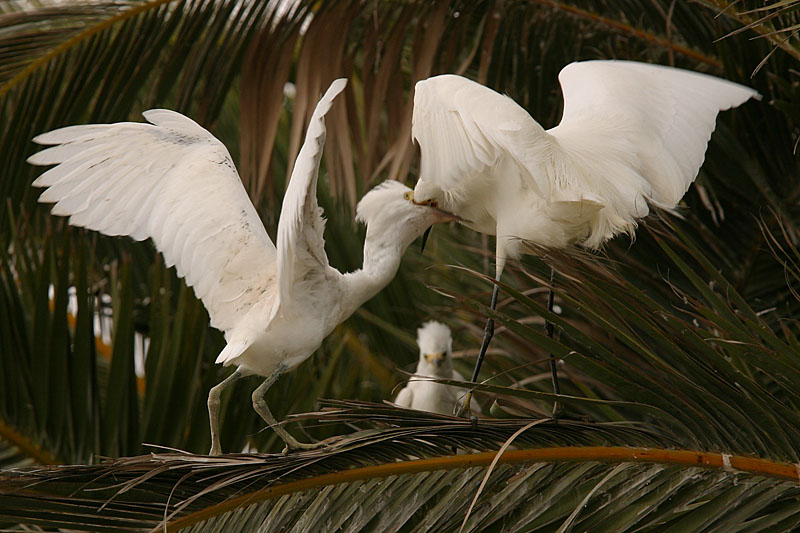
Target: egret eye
{"type": "Point", "coordinates": [409, 195]}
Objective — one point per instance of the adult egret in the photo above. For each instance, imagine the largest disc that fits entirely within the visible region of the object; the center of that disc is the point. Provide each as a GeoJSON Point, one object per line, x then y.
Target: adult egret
{"type": "Point", "coordinates": [173, 182]}
{"type": "Point", "coordinates": [435, 361]}
{"type": "Point", "coordinates": [631, 134]}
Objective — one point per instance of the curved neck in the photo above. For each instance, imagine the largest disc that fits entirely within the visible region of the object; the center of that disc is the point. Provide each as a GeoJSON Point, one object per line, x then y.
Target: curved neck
{"type": "Point", "coordinates": [381, 261]}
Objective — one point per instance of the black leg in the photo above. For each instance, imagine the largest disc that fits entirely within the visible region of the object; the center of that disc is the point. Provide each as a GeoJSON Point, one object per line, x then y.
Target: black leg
{"type": "Point", "coordinates": [488, 333]}
{"type": "Point", "coordinates": [549, 328]}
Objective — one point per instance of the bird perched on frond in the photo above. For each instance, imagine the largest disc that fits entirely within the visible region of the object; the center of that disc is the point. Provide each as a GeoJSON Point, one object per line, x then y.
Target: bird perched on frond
{"type": "Point", "coordinates": [435, 361]}
{"type": "Point", "coordinates": [175, 183]}
{"type": "Point", "coordinates": [631, 134]}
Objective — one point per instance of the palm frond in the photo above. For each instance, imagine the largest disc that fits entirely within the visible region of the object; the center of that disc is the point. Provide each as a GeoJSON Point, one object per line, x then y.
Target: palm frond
{"type": "Point", "coordinates": [405, 457]}
{"type": "Point", "coordinates": [775, 21]}
{"type": "Point", "coordinates": [684, 352]}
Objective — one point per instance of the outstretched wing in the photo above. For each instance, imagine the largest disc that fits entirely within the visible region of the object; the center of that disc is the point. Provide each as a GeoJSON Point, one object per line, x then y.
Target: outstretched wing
{"type": "Point", "coordinates": [301, 246]}
{"type": "Point", "coordinates": [631, 133]}
{"type": "Point", "coordinates": [174, 182]}
{"type": "Point", "coordinates": [655, 120]}
{"type": "Point", "coordinates": [464, 128]}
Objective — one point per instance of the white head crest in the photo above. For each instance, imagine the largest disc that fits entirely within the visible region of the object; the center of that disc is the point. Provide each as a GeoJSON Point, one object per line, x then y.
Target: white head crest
{"type": "Point", "coordinates": [392, 218]}
{"type": "Point", "coordinates": [435, 349]}
{"type": "Point", "coordinates": [388, 196]}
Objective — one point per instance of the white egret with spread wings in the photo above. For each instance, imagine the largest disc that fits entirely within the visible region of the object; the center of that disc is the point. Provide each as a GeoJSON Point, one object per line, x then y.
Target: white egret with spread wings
{"type": "Point", "coordinates": [173, 182]}
{"type": "Point", "coordinates": [631, 134]}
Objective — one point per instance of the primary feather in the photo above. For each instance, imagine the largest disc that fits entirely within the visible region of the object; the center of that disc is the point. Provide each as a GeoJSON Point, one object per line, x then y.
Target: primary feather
{"type": "Point", "coordinates": [301, 245]}
{"type": "Point", "coordinates": [171, 181]}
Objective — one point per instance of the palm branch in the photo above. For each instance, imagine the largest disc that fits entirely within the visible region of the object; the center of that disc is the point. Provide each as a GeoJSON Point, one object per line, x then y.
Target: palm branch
{"type": "Point", "coordinates": [403, 458]}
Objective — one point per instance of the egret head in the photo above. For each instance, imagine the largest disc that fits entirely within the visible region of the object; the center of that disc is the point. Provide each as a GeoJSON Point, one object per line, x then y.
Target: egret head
{"type": "Point", "coordinates": [435, 349]}
{"type": "Point", "coordinates": [389, 214]}
{"type": "Point", "coordinates": [426, 193]}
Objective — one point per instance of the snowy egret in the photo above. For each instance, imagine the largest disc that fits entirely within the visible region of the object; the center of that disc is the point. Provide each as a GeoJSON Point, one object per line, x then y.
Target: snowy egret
{"type": "Point", "coordinates": [631, 134]}
{"type": "Point", "coordinates": [173, 182]}
{"type": "Point", "coordinates": [435, 361]}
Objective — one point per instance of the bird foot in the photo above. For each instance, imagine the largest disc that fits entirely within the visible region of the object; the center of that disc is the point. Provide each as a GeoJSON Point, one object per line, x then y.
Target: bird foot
{"type": "Point", "coordinates": [297, 445]}
{"type": "Point", "coordinates": [463, 409]}
{"type": "Point", "coordinates": [558, 411]}
{"type": "Point", "coordinates": [215, 449]}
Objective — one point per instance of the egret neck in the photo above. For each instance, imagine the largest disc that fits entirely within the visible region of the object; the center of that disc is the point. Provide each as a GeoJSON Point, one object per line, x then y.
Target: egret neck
{"type": "Point", "coordinates": [382, 254]}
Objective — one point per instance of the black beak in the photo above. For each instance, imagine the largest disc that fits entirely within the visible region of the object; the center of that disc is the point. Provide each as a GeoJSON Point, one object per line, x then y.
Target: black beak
{"type": "Point", "coordinates": [425, 239]}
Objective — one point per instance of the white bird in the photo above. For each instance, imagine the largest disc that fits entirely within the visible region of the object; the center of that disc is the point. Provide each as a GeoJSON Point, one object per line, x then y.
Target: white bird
{"type": "Point", "coordinates": [435, 361]}
{"type": "Point", "coordinates": [631, 134]}
{"type": "Point", "coordinates": [173, 182]}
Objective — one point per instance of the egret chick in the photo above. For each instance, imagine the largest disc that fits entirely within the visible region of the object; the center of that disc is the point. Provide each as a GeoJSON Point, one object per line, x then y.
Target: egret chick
{"type": "Point", "coordinates": [631, 134]}
{"type": "Point", "coordinates": [172, 181]}
{"type": "Point", "coordinates": [435, 361]}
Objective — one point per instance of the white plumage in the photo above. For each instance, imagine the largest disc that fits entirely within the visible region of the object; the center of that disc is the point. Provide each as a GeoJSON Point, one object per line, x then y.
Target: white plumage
{"type": "Point", "coordinates": [435, 361]}
{"type": "Point", "coordinates": [173, 182]}
{"type": "Point", "coordinates": [170, 181]}
{"type": "Point", "coordinates": [631, 133]}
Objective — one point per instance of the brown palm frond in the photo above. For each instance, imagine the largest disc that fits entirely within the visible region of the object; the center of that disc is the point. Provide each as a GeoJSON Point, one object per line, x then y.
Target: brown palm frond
{"type": "Point", "coordinates": [177, 489]}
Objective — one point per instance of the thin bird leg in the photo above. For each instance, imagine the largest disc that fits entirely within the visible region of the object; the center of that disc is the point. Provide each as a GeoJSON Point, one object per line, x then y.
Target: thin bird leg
{"type": "Point", "coordinates": [550, 329]}
{"type": "Point", "coordinates": [260, 405]}
{"type": "Point", "coordinates": [488, 333]}
{"type": "Point", "coordinates": [213, 410]}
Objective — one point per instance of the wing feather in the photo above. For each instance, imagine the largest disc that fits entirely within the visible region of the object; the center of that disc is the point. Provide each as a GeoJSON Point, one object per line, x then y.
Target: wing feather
{"type": "Point", "coordinates": [301, 246]}
{"type": "Point", "coordinates": [171, 181]}
{"type": "Point", "coordinates": [631, 133]}
{"type": "Point", "coordinates": [663, 116]}
{"type": "Point", "coordinates": [464, 128]}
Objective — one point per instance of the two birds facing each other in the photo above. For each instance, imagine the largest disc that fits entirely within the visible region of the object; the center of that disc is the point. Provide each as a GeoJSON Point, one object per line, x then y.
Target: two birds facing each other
{"type": "Point", "coordinates": [631, 134]}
